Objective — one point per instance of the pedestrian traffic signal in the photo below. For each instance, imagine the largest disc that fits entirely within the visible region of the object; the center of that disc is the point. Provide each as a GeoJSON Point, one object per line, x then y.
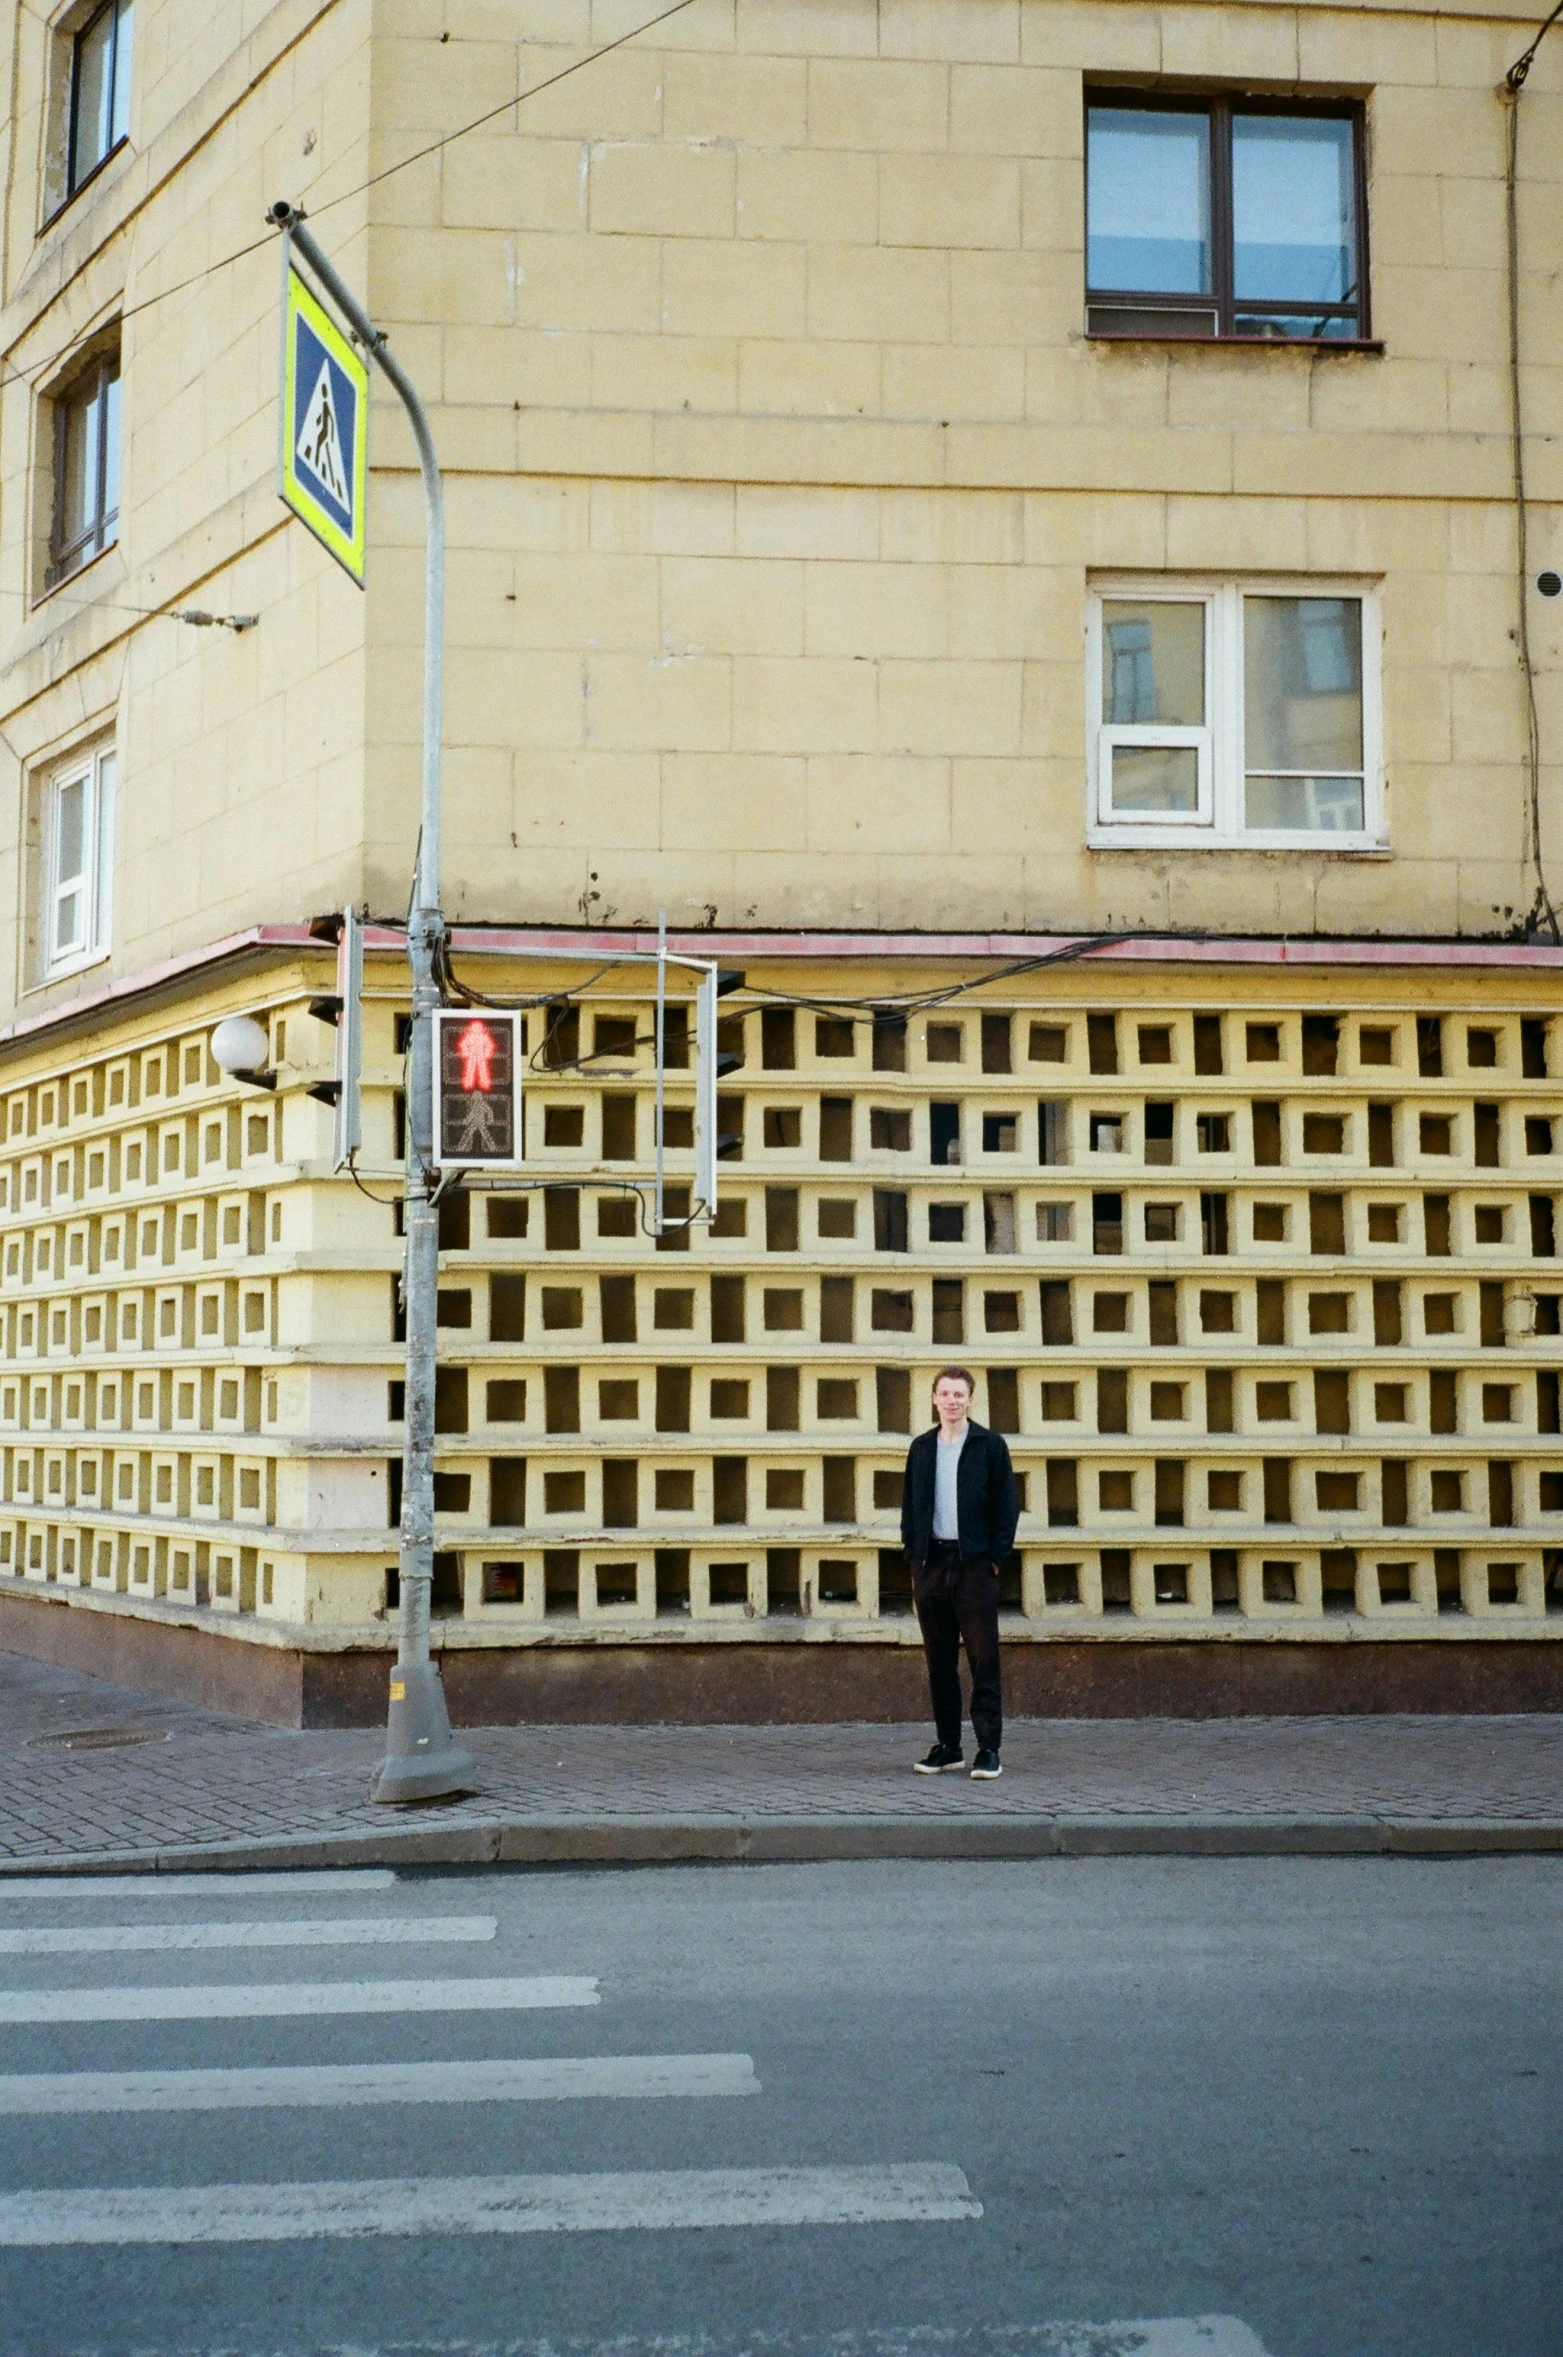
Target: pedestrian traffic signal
{"type": "Point", "coordinates": [344, 1009]}
{"type": "Point", "coordinates": [477, 1089]}
{"type": "Point", "coordinates": [711, 1064]}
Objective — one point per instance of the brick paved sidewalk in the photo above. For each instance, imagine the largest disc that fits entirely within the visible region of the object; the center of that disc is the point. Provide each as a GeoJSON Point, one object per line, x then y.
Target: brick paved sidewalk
{"type": "Point", "coordinates": [202, 1787]}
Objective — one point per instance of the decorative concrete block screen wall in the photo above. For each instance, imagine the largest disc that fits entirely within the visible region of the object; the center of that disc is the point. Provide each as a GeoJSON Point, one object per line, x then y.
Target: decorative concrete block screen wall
{"type": "Point", "coordinates": [1264, 1291]}
{"type": "Point", "coordinates": [143, 1229]}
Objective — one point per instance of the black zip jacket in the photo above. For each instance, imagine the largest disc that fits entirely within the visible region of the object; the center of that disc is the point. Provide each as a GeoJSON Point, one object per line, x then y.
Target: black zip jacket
{"type": "Point", "coordinates": [987, 1509]}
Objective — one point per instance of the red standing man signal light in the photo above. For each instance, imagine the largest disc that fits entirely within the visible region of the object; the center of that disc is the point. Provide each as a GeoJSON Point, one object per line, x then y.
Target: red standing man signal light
{"type": "Point", "coordinates": [475, 1047]}
{"type": "Point", "coordinates": [477, 1068]}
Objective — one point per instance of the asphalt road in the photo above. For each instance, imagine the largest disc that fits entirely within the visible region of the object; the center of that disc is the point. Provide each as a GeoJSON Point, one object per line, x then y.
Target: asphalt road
{"type": "Point", "coordinates": [1267, 2108]}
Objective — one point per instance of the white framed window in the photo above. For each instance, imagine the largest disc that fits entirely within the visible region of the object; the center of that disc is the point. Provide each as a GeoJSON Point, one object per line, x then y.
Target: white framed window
{"type": "Point", "coordinates": [1234, 713]}
{"type": "Point", "coordinates": [78, 817]}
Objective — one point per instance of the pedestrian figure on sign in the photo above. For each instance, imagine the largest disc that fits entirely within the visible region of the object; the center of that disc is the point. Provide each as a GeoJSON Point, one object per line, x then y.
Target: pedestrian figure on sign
{"type": "Point", "coordinates": [320, 458]}
{"type": "Point", "coordinates": [959, 1511]}
{"type": "Point", "coordinates": [320, 440]}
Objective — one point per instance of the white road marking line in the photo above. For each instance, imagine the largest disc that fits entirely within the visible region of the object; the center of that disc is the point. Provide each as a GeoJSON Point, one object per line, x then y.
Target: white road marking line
{"type": "Point", "coordinates": [341, 1931]}
{"type": "Point", "coordinates": [161, 1886]}
{"type": "Point", "coordinates": [315, 2086]}
{"type": "Point", "coordinates": [658, 2198]}
{"type": "Point", "coordinates": [277, 2000]}
{"type": "Point", "coordinates": [1180, 2336]}
{"type": "Point", "coordinates": [1155, 2336]}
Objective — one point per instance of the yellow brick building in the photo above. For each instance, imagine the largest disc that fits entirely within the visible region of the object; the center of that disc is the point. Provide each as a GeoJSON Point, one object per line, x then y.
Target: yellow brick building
{"type": "Point", "coordinates": [1000, 516]}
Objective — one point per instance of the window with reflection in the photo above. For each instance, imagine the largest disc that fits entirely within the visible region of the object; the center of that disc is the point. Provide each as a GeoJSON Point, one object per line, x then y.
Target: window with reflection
{"type": "Point", "coordinates": [85, 517]}
{"type": "Point", "coordinates": [1302, 714]}
{"type": "Point", "coordinates": [1216, 218]}
{"type": "Point", "coordinates": [1155, 741]}
{"type": "Point", "coordinates": [99, 103]}
{"type": "Point", "coordinates": [1229, 712]}
{"type": "Point", "coordinates": [76, 826]}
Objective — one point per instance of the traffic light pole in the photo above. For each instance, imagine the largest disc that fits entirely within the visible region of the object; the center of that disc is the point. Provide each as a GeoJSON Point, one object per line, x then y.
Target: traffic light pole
{"type": "Point", "coordinates": [422, 1761]}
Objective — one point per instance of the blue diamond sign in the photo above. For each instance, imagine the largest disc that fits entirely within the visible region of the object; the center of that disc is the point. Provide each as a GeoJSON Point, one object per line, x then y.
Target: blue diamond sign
{"type": "Point", "coordinates": [323, 464]}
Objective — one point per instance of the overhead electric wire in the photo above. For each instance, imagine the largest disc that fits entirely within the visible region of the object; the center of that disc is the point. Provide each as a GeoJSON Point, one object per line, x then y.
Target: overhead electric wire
{"type": "Point", "coordinates": [362, 187]}
{"type": "Point", "coordinates": [1514, 79]}
{"type": "Point", "coordinates": [880, 1009]}
{"type": "Point", "coordinates": [893, 1005]}
{"type": "Point", "coordinates": [492, 116]}
{"type": "Point", "coordinates": [889, 1005]}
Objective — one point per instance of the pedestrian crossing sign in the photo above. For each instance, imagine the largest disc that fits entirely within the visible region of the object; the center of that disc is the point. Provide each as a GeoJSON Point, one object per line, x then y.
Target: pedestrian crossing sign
{"type": "Point", "coordinates": [323, 472]}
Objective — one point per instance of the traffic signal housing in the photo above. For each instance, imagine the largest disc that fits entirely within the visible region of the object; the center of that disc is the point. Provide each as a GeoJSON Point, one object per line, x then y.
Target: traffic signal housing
{"type": "Point", "coordinates": [343, 1008]}
{"type": "Point", "coordinates": [477, 1089]}
{"type": "Point", "coordinates": [711, 1063]}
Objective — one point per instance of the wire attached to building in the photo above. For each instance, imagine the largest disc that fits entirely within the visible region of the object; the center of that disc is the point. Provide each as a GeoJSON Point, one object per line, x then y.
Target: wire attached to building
{"type": "Point", "coordinates": [896, 1006]}
{"type": "Point", "coordinates": [327, 204]}
{"type": "Point", "coordinates": [880, 1008]}
{"type": "Point", "coordinates": [435, 146]}
{"type": "Point", "coordinates": [1542, 914]}
{"type": "Point", "coordinates": [194, 615]}
{"type": "Point", "coordinates": [1514, 79]}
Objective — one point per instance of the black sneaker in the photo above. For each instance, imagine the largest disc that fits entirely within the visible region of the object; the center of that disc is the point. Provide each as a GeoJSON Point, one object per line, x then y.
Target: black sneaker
{"type": "Point", "coordinates": [986, 1765]}
{"type": "Point", "coordinates": [942, 1758]}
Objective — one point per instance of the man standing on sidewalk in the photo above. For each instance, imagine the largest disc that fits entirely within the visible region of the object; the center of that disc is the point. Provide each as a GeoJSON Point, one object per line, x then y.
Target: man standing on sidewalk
{"type": "Point", "coordinates": [958, 1517]}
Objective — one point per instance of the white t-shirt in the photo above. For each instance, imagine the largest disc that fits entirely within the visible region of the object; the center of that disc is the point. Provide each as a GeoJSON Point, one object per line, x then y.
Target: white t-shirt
{"type": "Point", "coordinates": [946, 1519]}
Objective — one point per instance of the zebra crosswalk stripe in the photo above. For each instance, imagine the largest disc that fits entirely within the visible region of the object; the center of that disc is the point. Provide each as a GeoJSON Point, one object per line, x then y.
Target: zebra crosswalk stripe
{"type": "Point", "coordinates": [337, 1931]}
{"type": "Point", "coordinates": [920, 2192]}
{"type": "Point", "coordinates": [281, 2000]}
{"type": "Point", "coordinates": [1144, 2336]}
{"type": "Point", "coordinates": [316, 2086]}
{"type": "Point", "coordinates": [316, 1881]}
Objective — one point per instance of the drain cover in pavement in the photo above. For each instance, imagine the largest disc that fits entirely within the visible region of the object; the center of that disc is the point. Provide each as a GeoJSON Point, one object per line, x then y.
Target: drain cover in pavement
{"type": "Point", "coordinates": [97, 1739]}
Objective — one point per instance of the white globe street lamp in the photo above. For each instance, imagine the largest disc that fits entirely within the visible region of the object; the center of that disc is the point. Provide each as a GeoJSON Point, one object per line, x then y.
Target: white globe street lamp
{"type": "Point", "coordinates": [241, 1048]}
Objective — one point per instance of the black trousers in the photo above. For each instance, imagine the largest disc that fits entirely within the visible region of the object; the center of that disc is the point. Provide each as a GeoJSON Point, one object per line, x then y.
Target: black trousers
{"type": "Point", "coordinates": [958, 1604]}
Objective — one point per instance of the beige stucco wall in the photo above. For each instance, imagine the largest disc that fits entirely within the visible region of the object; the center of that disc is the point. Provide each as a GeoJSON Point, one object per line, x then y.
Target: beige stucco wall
{"type": "Point", "coordinates": [778, 466]}
{"type": "Point", "coordinates": [240, 758]}
{"type": "Point", "coordinates": [785, 462]}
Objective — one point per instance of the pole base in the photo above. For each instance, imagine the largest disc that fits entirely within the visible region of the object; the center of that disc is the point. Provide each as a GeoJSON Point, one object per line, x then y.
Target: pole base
{"type": "Point", "coordinates": [446, 1778]}
{"type": "Point", "coordinates": [421, 1760]}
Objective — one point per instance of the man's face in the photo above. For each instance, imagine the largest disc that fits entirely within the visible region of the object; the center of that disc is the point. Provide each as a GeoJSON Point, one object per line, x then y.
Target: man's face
{"type": "Point", "coordinates": [951, 1399]}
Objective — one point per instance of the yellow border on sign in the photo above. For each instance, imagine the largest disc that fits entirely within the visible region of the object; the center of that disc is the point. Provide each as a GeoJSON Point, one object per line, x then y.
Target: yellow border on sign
{"type": "Point", "coordinates": [349, 552]}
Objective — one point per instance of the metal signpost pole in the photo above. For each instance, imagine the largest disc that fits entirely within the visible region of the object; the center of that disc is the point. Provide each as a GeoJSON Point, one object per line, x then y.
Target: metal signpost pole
{"type": "Point", "coordinates": [662, 1016]}
{"type": "Point", "coordinates": [422, 1762]}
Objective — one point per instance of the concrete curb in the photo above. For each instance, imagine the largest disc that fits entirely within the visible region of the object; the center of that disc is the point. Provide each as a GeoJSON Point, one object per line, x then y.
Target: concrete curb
{"type": "Point", "coordinates": [540, 1841]}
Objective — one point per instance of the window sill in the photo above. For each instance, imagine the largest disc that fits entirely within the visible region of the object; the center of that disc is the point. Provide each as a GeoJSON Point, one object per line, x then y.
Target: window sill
{"type": "Point", "coordinates": [1201, 840]}
{"type": "Point", "coordinates": [1370, 344]}
{"type": "Point", "coordinates": [79, 191]}
{"type": "Point", "coordinates": [67, 970]}
{"type": "Point", "coordinates": [85, 565]}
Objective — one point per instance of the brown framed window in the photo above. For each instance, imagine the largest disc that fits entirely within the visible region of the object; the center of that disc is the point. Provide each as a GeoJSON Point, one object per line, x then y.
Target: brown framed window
{"type": "Point", "coordinates": [1237, 218]}
{"type": "Point", "coordinates": [85, 518]}
{"type": "Point", "coordinates": [99, 115]}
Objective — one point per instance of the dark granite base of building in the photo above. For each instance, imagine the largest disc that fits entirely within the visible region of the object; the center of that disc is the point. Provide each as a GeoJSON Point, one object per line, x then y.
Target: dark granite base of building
{"type": "Point", "coordinates": [760, 1684]}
